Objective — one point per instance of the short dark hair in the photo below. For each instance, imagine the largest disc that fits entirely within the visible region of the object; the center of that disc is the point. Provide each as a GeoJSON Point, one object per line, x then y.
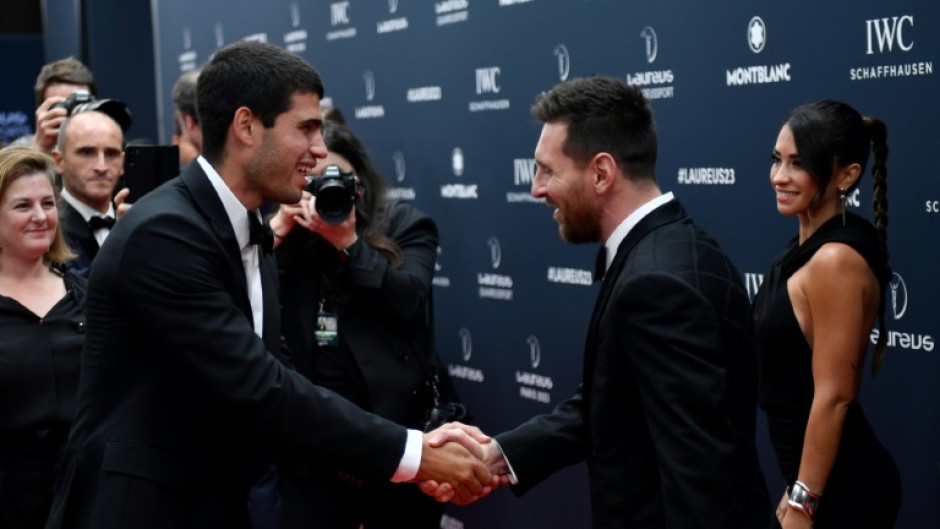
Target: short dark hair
{"type": "Point", "coordinates": [603, 114]}
{"type": "Point", "coordinates": [257, 75]}
{"type": "Point", "coordinates": [68, 70]}
{"type": "Point", "coordinates": [184, 93]}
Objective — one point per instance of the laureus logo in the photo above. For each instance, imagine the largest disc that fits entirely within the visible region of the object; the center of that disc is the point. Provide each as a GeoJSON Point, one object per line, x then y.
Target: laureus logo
{"type": "Point", "coordinates": [398, 158]}
{"type": "Point", "coordinates": [219, 35]}
{"type": "Point", "coordinates": [457, 161]}
{"type": "Point", "coordinates": [535, 351]}
{"type": "Point", "coordinates": [898, 296]}
{"type": "Point", "coordinates": [437, 262]}
{"type": "Point", "coordinates": [564, 61]}
{"type": "Point", "coordinates": [392, 6]}
{"type": "Point", "coordinates": [652, 44]}
{"type": "Point", "coordinates": [466, 344]}
{"type": "Point", "coordinates": [294, 14]}
{"type": "Point", "coordinates": [369, 79]}
{"type": "Point", "coordinates": [187, 39]}
{"type": "Point", "coordinates": [496, 253]}
{"type": "Point", "coordinates": [756, 34]}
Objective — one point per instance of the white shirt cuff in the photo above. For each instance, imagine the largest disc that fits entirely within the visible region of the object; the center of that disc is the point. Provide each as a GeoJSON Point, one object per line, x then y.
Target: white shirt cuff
{"type": "Point", "coordinates": [513, 479]}
{"type": "Point", "coordinates": [411, 459]}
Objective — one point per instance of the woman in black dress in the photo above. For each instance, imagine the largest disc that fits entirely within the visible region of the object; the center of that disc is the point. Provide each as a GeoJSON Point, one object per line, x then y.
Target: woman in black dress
{"type": "Point", "coordinates": [42, 329]}
{"type": "Point", "coordinates": [814, 315]}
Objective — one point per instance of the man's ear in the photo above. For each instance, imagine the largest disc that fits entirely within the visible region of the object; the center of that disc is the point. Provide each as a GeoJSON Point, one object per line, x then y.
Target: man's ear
{"type": "Point", "coordinates": [245, 126]}
{"type": "Point", "coordinates": [605, 171]}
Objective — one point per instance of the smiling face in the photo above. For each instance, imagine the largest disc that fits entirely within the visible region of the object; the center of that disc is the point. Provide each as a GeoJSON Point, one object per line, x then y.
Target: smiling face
{"type": "Point", "coordinates": [566, 187]}
{"type": "Point", "coordinates": [28, 217]}
{"type": "Point", "coordinates": [91, 159]}
{"type": "Point", "coordinates": [290, 150]}
{"type": "Point", "coordinates": [795, 188]}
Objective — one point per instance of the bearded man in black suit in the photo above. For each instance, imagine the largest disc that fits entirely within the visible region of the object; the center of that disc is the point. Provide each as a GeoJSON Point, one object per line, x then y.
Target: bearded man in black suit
{"type": "Point", "coordinates": [665, 414]}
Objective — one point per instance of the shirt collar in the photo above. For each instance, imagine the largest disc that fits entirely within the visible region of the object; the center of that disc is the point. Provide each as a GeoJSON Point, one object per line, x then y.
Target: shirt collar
{"type": "Point", "coordinates": [621, 232]}
{"type": "Point", "coordinates": [83, 209]}
{"type": "Point", "coordinates": [236, 211]}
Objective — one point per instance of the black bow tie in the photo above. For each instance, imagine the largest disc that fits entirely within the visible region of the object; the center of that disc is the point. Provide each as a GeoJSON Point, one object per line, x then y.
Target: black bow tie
{"type": "Point", "coordinates": [98, 223]}
{"type": "Point", "coordinates": [600, 264]}
{"type": "Point", "coordinates": [259, 233]}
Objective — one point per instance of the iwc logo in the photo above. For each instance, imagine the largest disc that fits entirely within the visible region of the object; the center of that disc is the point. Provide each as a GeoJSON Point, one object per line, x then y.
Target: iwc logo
{"type": "Point", "coordinates": [488, 83]}
{"type": "Point", "coordinates": [523, 174]}
{"type": "Point", "coordinates": [339, 19]}
{"type": "Point", "coordinates": [892, 36]}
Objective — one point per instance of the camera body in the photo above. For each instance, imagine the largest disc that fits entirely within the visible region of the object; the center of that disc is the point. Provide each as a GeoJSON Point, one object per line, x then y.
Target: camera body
{"type": "Point", "coordinates": [82, 101]}
{"type": "Point", "coordinates": [74, 99]}
{"type": "Point", "coordinates": [335, 192]}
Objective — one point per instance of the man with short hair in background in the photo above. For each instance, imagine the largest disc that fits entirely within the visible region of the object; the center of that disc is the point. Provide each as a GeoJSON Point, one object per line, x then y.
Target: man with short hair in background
{"type": "Point", "coordinates": [54, 84]}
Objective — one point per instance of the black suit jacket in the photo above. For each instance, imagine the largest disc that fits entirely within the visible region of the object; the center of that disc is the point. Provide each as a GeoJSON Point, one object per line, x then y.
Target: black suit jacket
{"type": "Point", "coordinates": [665, 415]}
{"type": "Point", "coordinates": [79, 237]}
{"type": "Point", "coordinates": [382, 311]}
{"type": "Point", "coordinates": [181, 406]}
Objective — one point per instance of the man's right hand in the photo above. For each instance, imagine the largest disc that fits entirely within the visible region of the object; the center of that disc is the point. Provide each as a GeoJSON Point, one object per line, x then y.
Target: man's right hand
{"type": "Point", "coordinates": [48, 121]}
{"type": "Point", "coordinates": [451, 463]}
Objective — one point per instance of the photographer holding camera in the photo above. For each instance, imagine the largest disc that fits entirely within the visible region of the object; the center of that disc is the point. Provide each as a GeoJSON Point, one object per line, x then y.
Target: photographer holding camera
{"type": "Point", "coordinates": [356, 274]}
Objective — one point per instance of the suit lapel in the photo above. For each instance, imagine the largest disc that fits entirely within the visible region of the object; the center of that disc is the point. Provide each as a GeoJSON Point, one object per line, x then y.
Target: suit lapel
{"type": "Point", "coordinates": [665, 214]}
{"type": "Point", "coordinates": [208, 204]}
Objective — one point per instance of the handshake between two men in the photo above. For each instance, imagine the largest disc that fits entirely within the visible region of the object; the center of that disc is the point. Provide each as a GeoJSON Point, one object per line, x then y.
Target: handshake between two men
{"type": "Point", "coordinates": [460, 464]}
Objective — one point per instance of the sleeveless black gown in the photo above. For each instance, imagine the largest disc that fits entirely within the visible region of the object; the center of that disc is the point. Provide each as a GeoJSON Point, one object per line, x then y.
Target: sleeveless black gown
{"type": "Point", "coordinates": [864, 486]}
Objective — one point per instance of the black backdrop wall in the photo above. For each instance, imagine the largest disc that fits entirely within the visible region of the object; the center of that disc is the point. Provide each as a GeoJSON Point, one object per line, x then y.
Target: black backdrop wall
{"type": "Point", "coordinates": [440, 91]}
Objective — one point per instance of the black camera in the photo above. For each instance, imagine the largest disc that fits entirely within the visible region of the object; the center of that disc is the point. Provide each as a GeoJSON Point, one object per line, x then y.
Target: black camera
{"type": "Point", "coordinates": [335, 192]}
{"type": "Point", "coordinates": [74, 99]}
{"type": "Point", "coordinates": [82, 101]}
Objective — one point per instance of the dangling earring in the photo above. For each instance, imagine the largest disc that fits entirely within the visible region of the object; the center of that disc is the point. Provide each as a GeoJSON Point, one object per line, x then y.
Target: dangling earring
{"type": "Point", "coordinates": [842, 197]}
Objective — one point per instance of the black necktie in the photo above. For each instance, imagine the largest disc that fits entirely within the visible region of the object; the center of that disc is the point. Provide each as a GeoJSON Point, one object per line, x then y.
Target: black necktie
{"type": "Point", "coordinates": [97, 223]}
{"type": "Point", "coordinates": [259, 234]}
{"type": "Point", "coordinates": [600, 264]}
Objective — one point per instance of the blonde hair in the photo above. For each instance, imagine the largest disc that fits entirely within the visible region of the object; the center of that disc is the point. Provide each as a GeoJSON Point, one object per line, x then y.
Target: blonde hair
{"type": "Point", "coordinates": [17, 162]}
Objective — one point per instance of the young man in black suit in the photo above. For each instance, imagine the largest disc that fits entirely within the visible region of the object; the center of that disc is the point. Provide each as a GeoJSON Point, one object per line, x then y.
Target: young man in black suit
{"type": "Point", "coordinates": [183, 405]}
{"type": "Point", "coordinates": [665, 414]}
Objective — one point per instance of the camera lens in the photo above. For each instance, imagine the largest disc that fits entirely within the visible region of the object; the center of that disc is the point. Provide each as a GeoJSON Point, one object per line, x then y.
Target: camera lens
{"type": "Point", "coordinates": [334, 202]}
{"type": "Point", "coordinates": [336, 194]}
